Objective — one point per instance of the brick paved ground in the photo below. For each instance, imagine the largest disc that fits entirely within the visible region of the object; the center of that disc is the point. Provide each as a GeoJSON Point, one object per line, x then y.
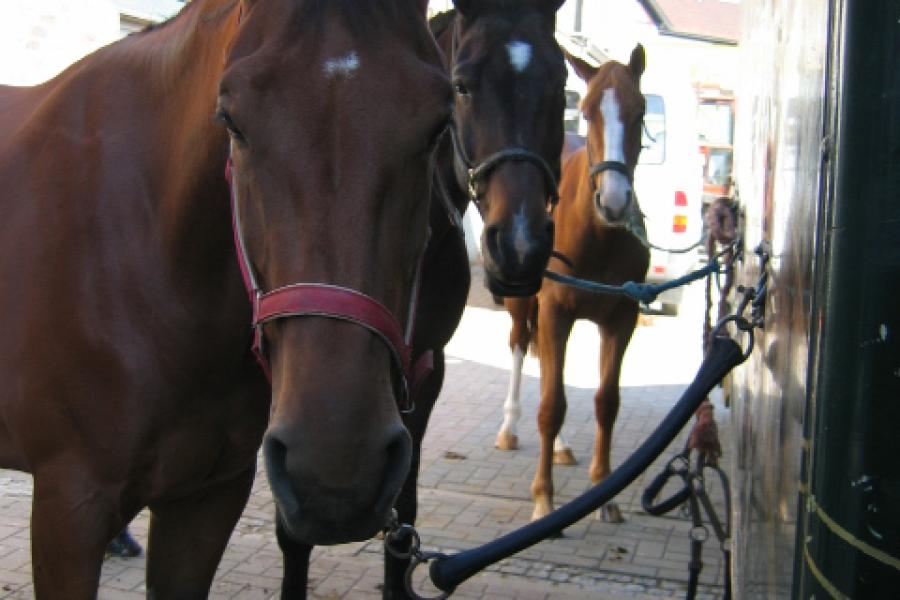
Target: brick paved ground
{"type": "Point", "coordinates": [472, 493]}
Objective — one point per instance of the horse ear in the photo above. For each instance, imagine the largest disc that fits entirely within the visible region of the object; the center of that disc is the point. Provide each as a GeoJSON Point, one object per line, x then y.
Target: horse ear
{"type": "Point", "coordinates": [422, 6]}
{"type": "Point", "coordinates": [466, 7]}
{"type": "Point", "coordinates": [550, 7]}
{"type": "Point", "coordinates": [585, 71]}
{"type": "Point", "coordinates": [638, 62]}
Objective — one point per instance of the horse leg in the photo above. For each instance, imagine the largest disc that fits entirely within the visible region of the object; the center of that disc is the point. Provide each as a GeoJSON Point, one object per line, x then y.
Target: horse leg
{"type": "Point", "coordinates": [189, 535]}
{"type": "Point", "coordinates": [519, 337]}
{"type": "Point", "coordinates": [552, 335]}
{"type": "Point", "coordinates": [73, 518]}
{"type": "Point", "coordinates": [407, 502]}
{"type": "Point", "coordinates": [296, 562]}
{"type": "Point", "coordinates": [615, 334]}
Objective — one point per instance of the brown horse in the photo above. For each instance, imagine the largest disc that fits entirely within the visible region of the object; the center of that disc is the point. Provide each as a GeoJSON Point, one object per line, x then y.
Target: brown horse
{"type": "Point", "coordinates": [126, 363]}
{"type": "Point", "coordinates": [509, 78]}
{"type": "Point", "coordinates": [595, 197]}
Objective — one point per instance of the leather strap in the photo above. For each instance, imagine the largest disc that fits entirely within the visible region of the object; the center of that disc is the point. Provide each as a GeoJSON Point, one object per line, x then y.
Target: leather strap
{"type": "Point", "coordinates": [331, 302]}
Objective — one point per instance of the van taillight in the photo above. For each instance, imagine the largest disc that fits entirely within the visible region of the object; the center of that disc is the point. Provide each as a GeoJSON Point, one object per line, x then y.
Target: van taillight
{"type": "Point", "coordinates": [680, 199]}
{"type": "Point", "coordinates": [679, 224]}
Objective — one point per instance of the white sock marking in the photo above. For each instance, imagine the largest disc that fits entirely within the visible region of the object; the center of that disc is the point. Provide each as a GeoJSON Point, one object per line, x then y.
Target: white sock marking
{"type": "Point", "coordinates": [512, 408]}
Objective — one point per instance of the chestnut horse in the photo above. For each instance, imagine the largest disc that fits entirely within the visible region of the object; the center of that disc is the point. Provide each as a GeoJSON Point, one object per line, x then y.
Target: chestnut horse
{"type": "Point", "coordinates": [596, 196]}
{"type": "Point", "coordinates": [508, 75]}
{"type": "Point", "coordinates": [127, 367]}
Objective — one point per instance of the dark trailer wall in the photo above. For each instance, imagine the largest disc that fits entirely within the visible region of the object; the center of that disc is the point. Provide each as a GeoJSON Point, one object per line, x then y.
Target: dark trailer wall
{"type": "Point", "coordinates": [816, 411]}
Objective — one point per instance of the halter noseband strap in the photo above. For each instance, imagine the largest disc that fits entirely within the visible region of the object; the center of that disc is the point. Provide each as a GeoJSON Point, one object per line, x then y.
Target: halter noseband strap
{"type": "Point", "coordinates": [610, 165]}
{"type": "Point", "coordinates": [332, 302]}
{"type": "Point", "coordinates": [595, 169]}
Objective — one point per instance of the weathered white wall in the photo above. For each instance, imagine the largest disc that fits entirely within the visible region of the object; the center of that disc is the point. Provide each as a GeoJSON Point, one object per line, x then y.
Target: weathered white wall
{"type": "Point", "coordinates": [40, 38]}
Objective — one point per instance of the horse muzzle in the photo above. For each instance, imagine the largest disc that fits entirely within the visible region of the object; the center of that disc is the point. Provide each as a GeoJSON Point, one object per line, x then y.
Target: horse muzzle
{"type": "Point", "coordinates": [515, 258]}
{"type": "Point", "coordinates": [321, 504]}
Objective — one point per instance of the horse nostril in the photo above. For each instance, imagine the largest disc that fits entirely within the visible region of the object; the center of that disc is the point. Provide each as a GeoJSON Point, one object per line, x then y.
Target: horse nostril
{"type": "Point", "coordinates": [275, 454]}
{"type": "Point", "coordinates": [398, 460]}
{"type": "Point", "coordinates": [492, 242]}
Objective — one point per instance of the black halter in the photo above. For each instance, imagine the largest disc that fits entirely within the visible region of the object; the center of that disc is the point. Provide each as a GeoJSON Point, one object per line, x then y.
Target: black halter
{"type": "Point", "coordinates": [607, 165]}
{"type": "Point", "coordinates": [478, 172]}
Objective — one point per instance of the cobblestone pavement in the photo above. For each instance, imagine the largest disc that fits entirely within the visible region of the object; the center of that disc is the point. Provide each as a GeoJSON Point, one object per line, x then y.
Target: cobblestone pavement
{"type": "Point", "coordinates": [471, 493]}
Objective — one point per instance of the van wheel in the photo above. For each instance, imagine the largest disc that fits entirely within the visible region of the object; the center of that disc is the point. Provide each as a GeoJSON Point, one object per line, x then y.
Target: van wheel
{"type": "Point", "coordinates": [669, 309]}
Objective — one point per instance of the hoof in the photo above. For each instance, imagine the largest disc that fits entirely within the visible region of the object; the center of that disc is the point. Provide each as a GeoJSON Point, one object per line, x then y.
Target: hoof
{"type": "Point", "coordinates": [542, 508]}
{"type": "Point", "coordinates": [564, 457]}
{"type": "Point", "coordinates": [124, 546]}
{"type": "Point", "coordinates": [507, 442]}
{"type": "Point", "coordinates": [610, 513]}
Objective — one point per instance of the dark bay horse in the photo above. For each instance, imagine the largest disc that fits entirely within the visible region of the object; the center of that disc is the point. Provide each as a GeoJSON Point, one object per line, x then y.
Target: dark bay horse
{"type": "Point", "coordinates": [596, 196]}
{"type": "Point", "coordinates": [128, 377]}
{"type": "Point", "coordinates": [508, 76]}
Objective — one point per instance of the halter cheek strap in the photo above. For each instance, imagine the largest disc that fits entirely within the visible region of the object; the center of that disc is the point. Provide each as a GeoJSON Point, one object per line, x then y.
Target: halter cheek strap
{"type": "Point", "coordinates": [332, 302]}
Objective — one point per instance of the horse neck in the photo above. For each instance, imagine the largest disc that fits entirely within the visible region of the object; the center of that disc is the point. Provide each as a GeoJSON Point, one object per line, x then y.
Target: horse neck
{"type": "Point", "coordinates": [575, 215]}
{"type": "Point", "coordinates": [177, 68]}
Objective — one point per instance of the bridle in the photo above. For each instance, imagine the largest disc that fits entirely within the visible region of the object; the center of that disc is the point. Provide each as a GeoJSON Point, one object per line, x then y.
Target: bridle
{"type": "Point", "coordinates": [595, 169]}
{"type": "Point", "coordinates": [476, 173]}
{"type": "Point", "coordinates": [331, 302]}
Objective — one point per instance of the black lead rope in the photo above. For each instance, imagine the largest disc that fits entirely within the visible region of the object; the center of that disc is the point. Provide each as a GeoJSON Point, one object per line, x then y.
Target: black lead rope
{"type": "Point", "coordinates": [448, 571]}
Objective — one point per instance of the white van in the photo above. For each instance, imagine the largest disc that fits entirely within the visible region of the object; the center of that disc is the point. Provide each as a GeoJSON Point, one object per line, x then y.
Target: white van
{"type": "Point", "coordinates": [668, 182]}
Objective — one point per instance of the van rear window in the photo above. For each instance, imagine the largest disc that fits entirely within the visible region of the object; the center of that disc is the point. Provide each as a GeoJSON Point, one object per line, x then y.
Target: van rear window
{"type": "Point", "coordinates": [653, 138]}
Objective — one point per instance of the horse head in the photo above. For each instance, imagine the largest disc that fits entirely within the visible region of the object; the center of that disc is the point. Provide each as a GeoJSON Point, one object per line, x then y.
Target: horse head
{"type": "Point", "coordinates": [614, 108]}
{"type": "Point", "coordinates": [333, 110]}
{"type": "Point", "coordinates": [508, 76]}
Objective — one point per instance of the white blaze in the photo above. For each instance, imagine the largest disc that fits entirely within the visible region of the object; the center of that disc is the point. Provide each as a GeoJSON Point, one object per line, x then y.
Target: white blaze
{"type": "Point", "coordinates": [342, 65]}
{"type": "Point", "coordinates": [615, 184]}
{"type": "Point", "coordinates": [519, 55]}
{"type": "Point", "coordinates": [613, 130]}
{"type": "Point", "coordinates": [520, 235]}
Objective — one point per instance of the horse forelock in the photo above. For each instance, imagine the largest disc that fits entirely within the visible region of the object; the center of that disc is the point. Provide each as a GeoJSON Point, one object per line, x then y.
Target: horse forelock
{"type": "Point", "coordinates": [611, 74]}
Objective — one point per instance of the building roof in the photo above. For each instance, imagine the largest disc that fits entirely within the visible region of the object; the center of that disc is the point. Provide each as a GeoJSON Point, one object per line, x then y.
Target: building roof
{"type": "Point", "coordinates": [709, 20]}
{"type": "Point", "coordinates": [151, 11]}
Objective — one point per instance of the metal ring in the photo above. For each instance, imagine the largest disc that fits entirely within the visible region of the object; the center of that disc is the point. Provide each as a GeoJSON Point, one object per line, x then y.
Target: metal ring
{"type": "Point", "coordinates": [398, 535]}
{"type": "Point", "coordinates": [679, 464]}
{"type": "Point", "coordinates": [420, 559]}
{"type": "Point", "coordinates": [743, 325]}
{"type": "Point", "coordinates": [699, 533]}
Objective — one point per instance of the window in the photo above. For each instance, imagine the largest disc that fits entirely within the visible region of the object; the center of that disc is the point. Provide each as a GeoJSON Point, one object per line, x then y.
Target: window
{"type": "Point", "coordinates": [572, 112]}
{"type": "Point", "coordinates": [653, 137]}
{"type": "Point", "coordinates": [715, 122]}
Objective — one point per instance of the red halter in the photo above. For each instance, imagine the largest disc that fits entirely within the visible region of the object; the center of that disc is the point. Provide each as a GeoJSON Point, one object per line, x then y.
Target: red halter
{"type": "Point", "coordinates": [332, 302]}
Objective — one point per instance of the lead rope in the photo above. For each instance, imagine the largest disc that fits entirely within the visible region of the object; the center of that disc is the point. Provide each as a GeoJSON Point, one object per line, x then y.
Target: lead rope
{"type": "Point", "coordinates": [447, 572]}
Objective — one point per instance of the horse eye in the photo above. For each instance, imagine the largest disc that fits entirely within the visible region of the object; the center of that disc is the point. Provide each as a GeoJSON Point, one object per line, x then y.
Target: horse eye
{"type": "Point", "coordinates": [460, 88]}
{"type": "Point", "coordinates": [223, 117]}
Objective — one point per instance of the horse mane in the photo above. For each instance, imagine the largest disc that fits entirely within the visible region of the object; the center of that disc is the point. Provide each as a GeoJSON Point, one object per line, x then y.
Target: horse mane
{"type": "Point", "coordinates": [510, 7]}
{"type": "Point", "coordinates": [182, 10]}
